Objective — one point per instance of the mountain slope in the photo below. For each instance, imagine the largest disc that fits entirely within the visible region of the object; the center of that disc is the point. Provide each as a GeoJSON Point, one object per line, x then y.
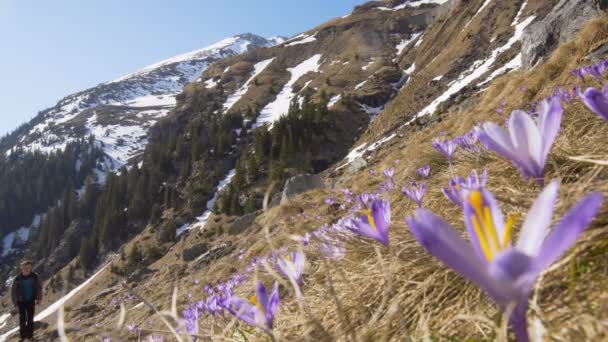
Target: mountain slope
{"type": "Point", "coordinates": [119, 113]}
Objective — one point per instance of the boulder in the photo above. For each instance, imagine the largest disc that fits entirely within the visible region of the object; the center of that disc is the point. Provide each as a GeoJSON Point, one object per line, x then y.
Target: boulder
{"type": "Point", "coordinates": [559, 26]}
{"type": "Point", "coordinates": [213, 254]}
{"type": "Point", "coordinates": [103, 293]}
{"type": "Point", "coordinates": [242, 223]}
{"type": "Point", "coordinates": [299, 184]}
{"type": "Point", "coordinates": [194, 252]}
{"type": "Point", "coordinates": [356, 165]}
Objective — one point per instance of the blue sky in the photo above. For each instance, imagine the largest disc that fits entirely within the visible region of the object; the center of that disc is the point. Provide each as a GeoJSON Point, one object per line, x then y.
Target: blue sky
{"type": "Point", "coordinates": [53, 48]}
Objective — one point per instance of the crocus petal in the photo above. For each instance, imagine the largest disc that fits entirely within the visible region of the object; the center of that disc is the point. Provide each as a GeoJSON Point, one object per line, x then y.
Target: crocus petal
{"type": "Point", "coordinates": [381, 212]}
{"type": "Point", "coordinates": [596, 101]}
{"type": "Point", "coordinates": [262, 294]}
{"type": "Point", "coordinates": [568, 230]}
{"type": "Point", "coordinates": [526, 138]}
{"type": "Point", "coordinates": [538, 220]}
{"type": "Point", "coordinates": [495, 138]}
{"type": "Point", "coordinates": [443, 242]}
{"type": "Point", "coordinates": [273, 305]}
{"type": "Point", "coordinates": [549, 122]}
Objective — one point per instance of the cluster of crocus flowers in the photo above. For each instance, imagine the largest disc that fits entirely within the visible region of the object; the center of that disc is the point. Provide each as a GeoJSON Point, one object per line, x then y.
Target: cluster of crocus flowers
{"type": "Point", "coordinates": [446, 147]}
{"type": "Point", "coordinates": [526, 143]}
{"type": "Point", "coordinates": [596, 70]}
{"type": "Point", "coordinates": [374, 223]}
{"type": "Point", "coordinates": [597, 101]}
{"type": "Point", "coordinates": [415, 192]}
{"type": "Point", "coordinates": [459, 185]}
{"type": "Point", "coordinates": [505, 271]}
{"type": "Point", "coordinates": [259, 310]}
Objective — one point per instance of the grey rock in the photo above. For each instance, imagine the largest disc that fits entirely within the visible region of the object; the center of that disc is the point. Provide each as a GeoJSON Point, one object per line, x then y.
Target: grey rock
{"type": "Point", "coordinates": [194, 252]}
{"type": "Point", "coordinates": [356, 165]}
{"type": "Point", "coordinates": [242, 223]}
{"type": "Point", "coordinates": [275, 201]}
{"type": "Point", "coordinates": [104, 293]}
{"type": "Point", "coordinates": [299, 184]}
{"type": "Point", "coordinates": [213, 254]}
{"type": "Point", "coordinates": [88, 308]}
{"type": "Point", "coordinates": [464, 105]}
{"type": "Point", "coordinates": [559, 26]}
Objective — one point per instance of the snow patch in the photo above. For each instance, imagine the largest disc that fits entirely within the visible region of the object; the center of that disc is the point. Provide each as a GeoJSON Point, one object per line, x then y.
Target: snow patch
{"type": "Point", "coordinates": [360, 85]}
{"type": "Point", "coordinates": [478, 68]}
{"type": "Point", "coordinates": [274, 110]}
{"type": "Point", "coordinates": [202, 220]}
{"type": "Point", "coordinates": [258, 68]}
{"type": "Point", "coordinates": [304, 40]}
{"type": "Point", "coordinates": [483, 6]}
{"type": "Point", "coordinates": [371, 62]}
{"type": "Point", "coordinates": [211, 83]}
{"type": "Point", "coordinates": [519, 13]}
{"type": "Point", "coordinates": [511, 65]}
{"type": "Point", "coordinates": [333, 101]}
{"type": "Point", "coordinates": [3, 319]}
{"type": "Point", "coordinates": [404, 43]}
{"type": "Point", "coordinates": [362, 149]}
{"type": "Point", "coordinates": [22, 234]}
{"type": "Point", "coordinates": [412, 3]}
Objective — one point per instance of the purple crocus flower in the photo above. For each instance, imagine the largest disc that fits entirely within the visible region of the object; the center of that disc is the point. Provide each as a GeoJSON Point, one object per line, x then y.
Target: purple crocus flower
{"type": "Point", "coordinates": [191, 316]}
{"type": "Point", "coordinates": [292, 267]}
{"type": "Point", "coordinates": [332, 249]}
{"type": "Point", "coordinates": [389, 173]}
{"type": "Point", "coordinates": [259, 310]}
{"type": "Point", "coordinates": [579, 73]}
{"type": "Point", "coordinates": [597, 101]}
{"type": "Point", "coordinates": [458, 185]}
{"type": "Point", "coordinates": [415, 192]}
{"type": "Point", "coordinates": [447, 147]}
{"type": "Point", "coordinates": [425, 171]}
{"type": "Point", "coordinates": [375, 224]}
{"type": "Point", "coordinates": [506, 272]}
{"type": "Point", "coordinates": [527, 143]}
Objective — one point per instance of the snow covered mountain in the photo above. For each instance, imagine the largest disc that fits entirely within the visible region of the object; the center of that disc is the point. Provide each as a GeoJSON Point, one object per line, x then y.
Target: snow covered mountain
{"type": "Point", "coordinates": [119, 113]}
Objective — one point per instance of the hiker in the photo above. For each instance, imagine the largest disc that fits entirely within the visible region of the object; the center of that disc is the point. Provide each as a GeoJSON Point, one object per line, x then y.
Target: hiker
{"type": "Point", "coordinates": [26, 292]}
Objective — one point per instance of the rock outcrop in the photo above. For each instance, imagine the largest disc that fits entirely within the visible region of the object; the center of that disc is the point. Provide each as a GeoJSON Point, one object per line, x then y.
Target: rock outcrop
{"type": "Point", "coordinates": [299, 184]}
{"type": "Point", "coordinates": [559, 26]}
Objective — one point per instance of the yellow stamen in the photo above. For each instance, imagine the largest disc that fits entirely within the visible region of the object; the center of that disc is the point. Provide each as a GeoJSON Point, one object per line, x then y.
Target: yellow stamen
{"type": "Point", "coordinates": [483, 224]}
{"type": "Point", "coordinates": [370, 218]}
{"type": "Point", "coordinates": [254, 301]}
{"type": "Point", "coordinates": [490, 229]}
{"type": "Point", "coordinates": [288, 257]}
{"type": "Point", "coordinates": [482, 239]}
{"type": "Point", "coordinates": [509, 231]}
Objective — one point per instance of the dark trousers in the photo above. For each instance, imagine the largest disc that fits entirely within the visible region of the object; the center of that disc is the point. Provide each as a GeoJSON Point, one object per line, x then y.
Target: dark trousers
{"type": "Point", "coordinates": [26, 320]}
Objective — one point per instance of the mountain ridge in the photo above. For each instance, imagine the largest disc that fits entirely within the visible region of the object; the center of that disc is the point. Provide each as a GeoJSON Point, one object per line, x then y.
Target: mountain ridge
{"type": "Point", "coordinates": [119, 112]}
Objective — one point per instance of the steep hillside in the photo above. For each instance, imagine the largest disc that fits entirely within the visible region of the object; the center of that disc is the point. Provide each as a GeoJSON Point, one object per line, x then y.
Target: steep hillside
{"type": "Point", "coordinates": [360, 101]}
